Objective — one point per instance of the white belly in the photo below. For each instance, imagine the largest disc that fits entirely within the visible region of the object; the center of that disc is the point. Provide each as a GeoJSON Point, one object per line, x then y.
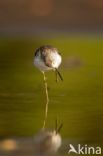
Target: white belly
{"type": "Point", "coordinates": [40, 64]}
{"type": "Point", "coordinates": [55, 62]}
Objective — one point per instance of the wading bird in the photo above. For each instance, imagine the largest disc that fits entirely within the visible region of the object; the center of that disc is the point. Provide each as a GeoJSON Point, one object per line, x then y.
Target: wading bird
{"type": "Point", "coordinates": [47, 58]}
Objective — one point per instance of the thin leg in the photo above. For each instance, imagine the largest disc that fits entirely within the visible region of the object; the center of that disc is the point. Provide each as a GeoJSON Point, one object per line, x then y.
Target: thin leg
{"type": "Point", "coordinates": [47, 100]}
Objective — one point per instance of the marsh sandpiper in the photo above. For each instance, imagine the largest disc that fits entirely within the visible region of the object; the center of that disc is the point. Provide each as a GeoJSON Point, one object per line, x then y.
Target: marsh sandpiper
{"type": "Point", "coordinates": [47, 58]}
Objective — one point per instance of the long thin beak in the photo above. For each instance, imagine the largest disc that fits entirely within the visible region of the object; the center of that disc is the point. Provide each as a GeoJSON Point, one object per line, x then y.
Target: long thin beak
{"type": "Point", "coordinates": [59, 128]}
{"type": "Point", "coordinates": [57, 72]}
{"type": "Point", "coordinates": [56, 126]}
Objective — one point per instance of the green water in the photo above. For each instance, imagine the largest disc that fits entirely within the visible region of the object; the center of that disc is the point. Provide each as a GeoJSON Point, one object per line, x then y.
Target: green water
{"type": "Point", "coordinates": [77, 101]}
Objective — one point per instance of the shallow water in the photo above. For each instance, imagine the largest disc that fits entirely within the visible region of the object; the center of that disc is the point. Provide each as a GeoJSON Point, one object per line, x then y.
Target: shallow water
{"type": "Point", "coordinates": [77, 101]}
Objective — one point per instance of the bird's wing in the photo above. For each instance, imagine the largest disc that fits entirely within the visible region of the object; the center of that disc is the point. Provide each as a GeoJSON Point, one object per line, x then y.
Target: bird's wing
{"type": "Point", "coordinates": [48, 61]}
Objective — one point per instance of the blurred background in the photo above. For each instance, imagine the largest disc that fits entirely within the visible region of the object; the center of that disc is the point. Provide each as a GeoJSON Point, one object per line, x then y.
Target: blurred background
{"type": "Point", "coordinates": [75, 27]}
{"type": "Point", "coordinates": [36, 16]}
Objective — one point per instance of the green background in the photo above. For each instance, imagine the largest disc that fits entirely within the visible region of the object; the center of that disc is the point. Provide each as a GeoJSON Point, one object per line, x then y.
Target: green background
{"type": "Point", "coordinates": [77, 101]}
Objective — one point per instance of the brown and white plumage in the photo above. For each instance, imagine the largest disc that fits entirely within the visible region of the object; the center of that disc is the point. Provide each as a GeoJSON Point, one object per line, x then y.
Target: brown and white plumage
{"type": "Point", "coordinates": [48, 58]}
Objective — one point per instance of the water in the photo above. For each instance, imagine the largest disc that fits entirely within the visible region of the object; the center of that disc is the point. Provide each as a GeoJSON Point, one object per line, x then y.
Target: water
{"type": "Point", "coordinates": [77, 101]}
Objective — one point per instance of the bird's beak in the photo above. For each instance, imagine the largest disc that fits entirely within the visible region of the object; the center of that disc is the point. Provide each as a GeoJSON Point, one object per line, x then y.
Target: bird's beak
{"type": "Point", "coordinates": [59, 128]}
{"type": "Point", "coordinates": [58, 74]}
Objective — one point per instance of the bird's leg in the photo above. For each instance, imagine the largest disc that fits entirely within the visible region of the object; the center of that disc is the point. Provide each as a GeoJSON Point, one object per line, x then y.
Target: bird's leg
{"type": "Point", "coordinates": [47, 100]}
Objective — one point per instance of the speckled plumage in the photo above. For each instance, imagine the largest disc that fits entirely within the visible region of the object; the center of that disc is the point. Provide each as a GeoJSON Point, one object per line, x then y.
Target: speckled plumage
{"type": "Point", "coordinates": [47, 58]}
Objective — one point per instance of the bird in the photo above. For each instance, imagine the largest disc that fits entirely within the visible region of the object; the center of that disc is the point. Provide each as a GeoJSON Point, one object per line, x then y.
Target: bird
{"type": "Point", "coordinates": [47, 142]}
{"type": "Point", "coordinates": [47, 58]}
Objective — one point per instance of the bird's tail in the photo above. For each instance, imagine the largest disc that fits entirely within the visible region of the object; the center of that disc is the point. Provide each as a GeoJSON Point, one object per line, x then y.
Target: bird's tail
{"type": "Point", "coordinates": [58, 73]}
